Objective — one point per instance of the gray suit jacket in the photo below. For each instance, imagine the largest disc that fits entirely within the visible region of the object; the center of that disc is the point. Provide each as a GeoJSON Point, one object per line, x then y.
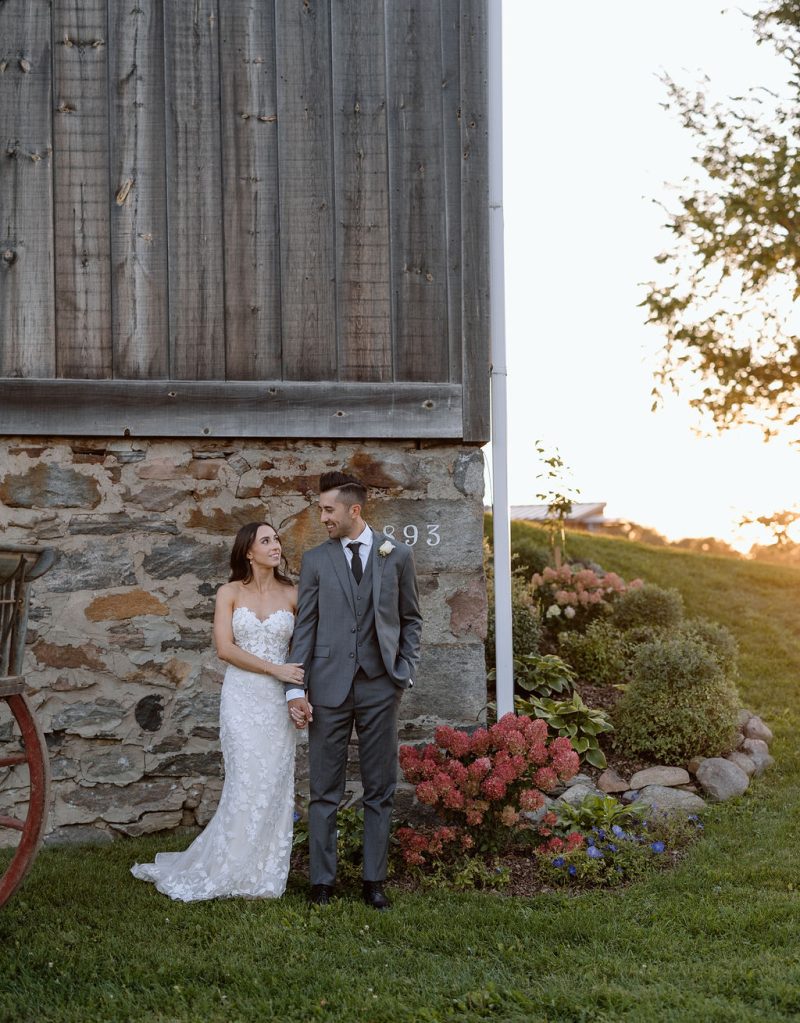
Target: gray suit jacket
{"type": "Point", "coordinates": [324, 637]}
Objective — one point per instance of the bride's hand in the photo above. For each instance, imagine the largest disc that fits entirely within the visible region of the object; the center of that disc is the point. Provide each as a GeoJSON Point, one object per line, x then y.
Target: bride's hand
{"type": "Point", "coordinates": [292, 673]}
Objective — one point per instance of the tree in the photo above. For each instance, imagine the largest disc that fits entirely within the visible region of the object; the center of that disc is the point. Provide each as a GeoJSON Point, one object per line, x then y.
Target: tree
{"type": "Point", "coordinates": [727, 300]}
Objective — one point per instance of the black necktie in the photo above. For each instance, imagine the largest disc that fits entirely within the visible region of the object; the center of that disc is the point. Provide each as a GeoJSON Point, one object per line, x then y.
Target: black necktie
{"type": "Point", "coordinates": [355, 561]}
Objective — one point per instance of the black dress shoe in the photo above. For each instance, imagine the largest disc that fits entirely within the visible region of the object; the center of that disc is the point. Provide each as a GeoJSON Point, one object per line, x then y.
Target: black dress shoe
{"type": "Point", "coordinates": [375, 896]}
{"type": "Point", "coordinates": [320, 894]}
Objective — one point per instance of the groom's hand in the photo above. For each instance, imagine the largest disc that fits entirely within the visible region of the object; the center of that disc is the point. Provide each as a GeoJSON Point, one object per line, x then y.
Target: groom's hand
{"type": "Point", "coordinates": [300, 711]}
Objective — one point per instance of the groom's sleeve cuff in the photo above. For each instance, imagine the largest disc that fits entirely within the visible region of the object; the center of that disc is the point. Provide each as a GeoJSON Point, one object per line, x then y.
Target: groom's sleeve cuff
{"type": "Point", "coordinates": [294, 694]}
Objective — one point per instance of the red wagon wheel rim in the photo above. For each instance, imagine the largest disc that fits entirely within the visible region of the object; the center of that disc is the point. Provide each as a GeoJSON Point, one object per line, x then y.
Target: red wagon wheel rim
{"type": "Point", "coordinates": [32, 827]}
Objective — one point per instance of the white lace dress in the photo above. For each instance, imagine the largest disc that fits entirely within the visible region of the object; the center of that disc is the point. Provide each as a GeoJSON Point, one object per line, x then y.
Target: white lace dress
{"type": "Point", "coordinates": [246, 846]}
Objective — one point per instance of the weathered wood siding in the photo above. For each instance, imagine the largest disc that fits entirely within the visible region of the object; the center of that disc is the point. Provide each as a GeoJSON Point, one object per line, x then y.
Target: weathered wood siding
{"type": "Point", "coordinates": [265, 191]}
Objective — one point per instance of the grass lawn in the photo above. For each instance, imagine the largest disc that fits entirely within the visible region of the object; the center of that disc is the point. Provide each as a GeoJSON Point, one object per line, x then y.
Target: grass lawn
{"type": "Point", "coordinates": [714, 940]}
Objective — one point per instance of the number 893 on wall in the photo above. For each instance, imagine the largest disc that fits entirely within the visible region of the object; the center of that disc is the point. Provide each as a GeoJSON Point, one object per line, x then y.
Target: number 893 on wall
{"type": "Point", "coordinates": [411, 534]}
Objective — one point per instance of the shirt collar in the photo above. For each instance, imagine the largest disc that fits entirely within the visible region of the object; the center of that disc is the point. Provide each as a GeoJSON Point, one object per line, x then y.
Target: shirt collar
{"type": "Point", "coordinates": [365, 538]}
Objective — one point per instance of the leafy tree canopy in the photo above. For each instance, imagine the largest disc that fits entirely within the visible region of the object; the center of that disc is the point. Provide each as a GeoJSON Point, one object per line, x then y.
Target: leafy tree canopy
{"type": "Point", "coordinates": [727, 297]}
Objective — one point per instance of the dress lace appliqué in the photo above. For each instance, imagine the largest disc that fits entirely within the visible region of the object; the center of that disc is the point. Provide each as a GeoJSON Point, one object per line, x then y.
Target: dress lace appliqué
{"type": "Point", "coordinates": [245, 848]}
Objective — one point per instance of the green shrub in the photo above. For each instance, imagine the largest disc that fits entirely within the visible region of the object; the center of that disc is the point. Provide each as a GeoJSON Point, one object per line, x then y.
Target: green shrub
{"type": "Point", "coordinates": [678, 704]}
{"type": "Point", "coordinates": [525, 628]}
{"type": "Point", "coordinates": [599, 655]}
{"type": "Point", "coordinates": [718, 640]}
{"type": "Point", "coordinates": [648, 606]}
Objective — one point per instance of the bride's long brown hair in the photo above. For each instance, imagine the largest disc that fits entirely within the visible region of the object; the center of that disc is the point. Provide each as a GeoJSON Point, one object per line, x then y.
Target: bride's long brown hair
{"type": "Point", "coordinates": [240, 566]}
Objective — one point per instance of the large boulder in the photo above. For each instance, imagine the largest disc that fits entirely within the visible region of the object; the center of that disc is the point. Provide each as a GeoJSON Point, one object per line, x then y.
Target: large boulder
{"type": "Point", "coordinates": [664, 797]}
{"type": "Point", "coordinates": [722, 779]}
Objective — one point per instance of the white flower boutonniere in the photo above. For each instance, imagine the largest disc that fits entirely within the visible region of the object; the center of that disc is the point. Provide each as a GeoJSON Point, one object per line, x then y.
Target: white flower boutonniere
{"type": "Point", "coordinates": [386, 549]}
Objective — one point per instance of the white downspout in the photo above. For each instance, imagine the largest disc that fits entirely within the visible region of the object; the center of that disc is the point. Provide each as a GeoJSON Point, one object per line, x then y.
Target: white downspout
{"type": "Point", "coordinates": [501, 518]}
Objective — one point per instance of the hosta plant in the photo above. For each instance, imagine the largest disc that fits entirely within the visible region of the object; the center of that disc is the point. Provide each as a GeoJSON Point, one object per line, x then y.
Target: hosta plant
{"type": "Point", "coordinates": [602, 812]}
{"type": "Point", "coordinates": [573, 720]}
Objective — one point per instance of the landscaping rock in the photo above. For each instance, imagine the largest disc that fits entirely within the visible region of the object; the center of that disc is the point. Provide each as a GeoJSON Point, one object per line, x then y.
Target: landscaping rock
{"type": "Point", "coordinates": [575, 795]}
{"type": "Point", "coordinates": [743, 718]}
{"type": "Point", "coordinates": [722, 779]}
{"type": "Point", "coordinates": [665, 797]}
{"type": "Point", "coordinates": [610, 781]}
{"type": "Point", "coordinates": [747, 764]}
{"type": "Point", "coordinates": [579, 779]}
{"type": "Point", "coordinates": [762, 761]}
{"type": "Point", "coordinates": [751, 746]}
{"type": "Point", "coordinates": [660, 776]}
{"type": "Point", "coordinates": [693, 764]}
{"type": "Point", "coordinates": [756, 729]}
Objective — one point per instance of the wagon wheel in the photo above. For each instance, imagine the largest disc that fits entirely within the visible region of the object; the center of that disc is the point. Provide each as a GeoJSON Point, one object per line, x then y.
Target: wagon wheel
{"type": "Point", "coordinates": [34, 754]}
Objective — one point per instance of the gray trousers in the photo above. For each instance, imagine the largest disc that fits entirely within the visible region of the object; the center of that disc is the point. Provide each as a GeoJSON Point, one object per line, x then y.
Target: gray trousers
{"type": "Point", "coordinates": [373, 705]}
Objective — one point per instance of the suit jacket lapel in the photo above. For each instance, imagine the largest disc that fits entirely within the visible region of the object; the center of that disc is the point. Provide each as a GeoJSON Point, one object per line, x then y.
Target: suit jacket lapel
{"type": "Point", "coordinates": [377, 568]}
{"type": "Point", "coordinates": [339, 562]}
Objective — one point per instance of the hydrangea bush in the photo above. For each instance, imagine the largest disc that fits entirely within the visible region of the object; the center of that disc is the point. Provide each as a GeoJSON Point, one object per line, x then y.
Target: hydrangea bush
{"type": "Point", "coordinates": [480, 785]}
{"type": "Point", "coordinates": [574, 595]}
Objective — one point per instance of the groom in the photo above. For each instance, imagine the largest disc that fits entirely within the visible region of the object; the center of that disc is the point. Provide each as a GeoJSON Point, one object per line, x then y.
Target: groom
{"type": "Point", "coordinates": [357, 634]}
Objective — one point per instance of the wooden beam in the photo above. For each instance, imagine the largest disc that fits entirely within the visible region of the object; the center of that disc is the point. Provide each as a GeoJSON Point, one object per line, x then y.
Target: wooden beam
{"type": "Point", "coordinates": [268, 409]}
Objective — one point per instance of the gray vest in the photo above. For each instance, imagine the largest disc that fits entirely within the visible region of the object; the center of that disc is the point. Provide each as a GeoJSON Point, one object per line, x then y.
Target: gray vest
{"type": "Point", "coordinates": [368, 651]}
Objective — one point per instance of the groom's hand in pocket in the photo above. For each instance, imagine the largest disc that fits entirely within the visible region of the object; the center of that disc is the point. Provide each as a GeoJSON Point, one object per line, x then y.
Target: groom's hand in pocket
{"type": "Point", "coordinates": [300, 712]}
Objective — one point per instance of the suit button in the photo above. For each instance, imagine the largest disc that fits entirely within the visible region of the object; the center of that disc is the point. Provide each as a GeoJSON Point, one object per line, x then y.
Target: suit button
{"type": "Point", "coordinates": [352, 655]}
{"type": "Point", "coordinates": [353, 629]}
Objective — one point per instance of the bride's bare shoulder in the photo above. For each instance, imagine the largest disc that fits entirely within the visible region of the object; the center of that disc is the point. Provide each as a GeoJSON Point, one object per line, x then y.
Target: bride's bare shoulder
{"type": "Point", "coordinates": [228, 592]}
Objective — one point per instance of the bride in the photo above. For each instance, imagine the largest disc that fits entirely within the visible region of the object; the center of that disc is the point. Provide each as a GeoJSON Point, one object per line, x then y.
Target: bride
{"type": "Point", "coordinates": [246, 847]}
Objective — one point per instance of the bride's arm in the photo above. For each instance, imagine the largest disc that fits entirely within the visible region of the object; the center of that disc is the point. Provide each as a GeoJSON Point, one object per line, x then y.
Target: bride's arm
{"type": "Point", "coordinates": [228, 651]}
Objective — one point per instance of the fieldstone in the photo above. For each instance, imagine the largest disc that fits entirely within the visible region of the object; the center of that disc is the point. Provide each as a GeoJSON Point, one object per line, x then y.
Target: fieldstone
{"type": "Point", "coordinates": [751, 746]}
{"type": "Point", "coordinates": [196, 707]}
{"type": "Point", "coordinates": [184, 555]}
{"type": "Point", "coordinates": [75, 834]}
{"type": "Point", "coordinates": [188, 640]}
{"type": "Point", "coordinates": [91, 568]}
{"type": "Point", "coordinates": [577, 779]}
{"type": "Point", "coordinates": [119, 766]}
{"type": "Point", "coordinates": [118, 523]}
{"type": "Point", "coordinates": [89, 720]}
{"type": "Point", "coordinates": [182, 764]}
{"type": "Point", "coordinates": [168, 744]}
{"type": "Point", "coordinates": [55, 656]}
{"type": "Point", "coordinates": [450, 683]}
{"type": "Point", "coordinates": [610, 781]}
{"type": "Point", "coordinates": [761, 760]}
{"type": "Point", "coordinates": [119, 606]}
{"type": "Point", "coordinates": [722, 779]}
{"type": "Point", "coordinates": [757, 729]}
{"type": "Point", "coordinates": [157, 497]}
{"type": "Point", "coordinates": [664, 797]}
{"type": "Point", "coordinates": [162, 468]}
{"type": "Point", "coordinates": [385, 470]}
{"type": "Point", "coordinates": [79, 805]}
{"type": "Point", "coordinates": [62, 768]}
{"type": "Point", "coordinates": [149, 823]}
{"type": "Point", "coordinates": [250, 485]}
{"type": "Point", "coordinates": [742, 761]}
{"type": "Point", "coordinates": [205, 468]}
{"type": "Point", "coordinates": [227, 523]}
{"type": "Point", "coordinates": [576, 794]}
{"type": "Point", "coordinates": [49, 486]}
{"type": "Point", "coordinates": [743, 717]}
{"type": "Point", "coordinates": [693, 764]}
{"type": "Point", "coordinates": [468, 473]}
{"type": "Point", "coordinates": [468, 609]}
{"type": "Point", "coordinates": [238, 463]}
{"type": "Point", "coordinates": [448, 532]}
{"type": "Point", "coordinates": [659, 775]}
{"type": "Point", "coordinates": [208, 803]}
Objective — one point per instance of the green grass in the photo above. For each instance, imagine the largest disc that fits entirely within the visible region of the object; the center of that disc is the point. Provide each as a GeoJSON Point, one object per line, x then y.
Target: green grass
{"type": "Point", "coordinates": [714, 940]}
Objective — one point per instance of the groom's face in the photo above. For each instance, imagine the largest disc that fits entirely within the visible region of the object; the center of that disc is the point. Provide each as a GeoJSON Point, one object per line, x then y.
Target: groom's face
{"type": "Point", "coordinates": [338, 518]}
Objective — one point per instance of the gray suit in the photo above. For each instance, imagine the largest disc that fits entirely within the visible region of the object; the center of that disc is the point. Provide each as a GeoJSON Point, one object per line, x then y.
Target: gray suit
{"type": "Point", "coordinates": [359, 645]}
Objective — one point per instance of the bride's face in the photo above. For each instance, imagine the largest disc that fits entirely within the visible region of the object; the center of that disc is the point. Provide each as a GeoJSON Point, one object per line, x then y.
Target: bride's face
{"type": "Point", "coordinates": [265, 550]}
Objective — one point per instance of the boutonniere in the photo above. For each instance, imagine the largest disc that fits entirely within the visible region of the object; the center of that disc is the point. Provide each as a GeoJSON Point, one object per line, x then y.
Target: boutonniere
{"type": "Point", "coordinates": [386, 549]}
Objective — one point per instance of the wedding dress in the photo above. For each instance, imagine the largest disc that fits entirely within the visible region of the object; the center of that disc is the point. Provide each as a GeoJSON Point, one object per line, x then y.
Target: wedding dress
{"type": "Point", "coordinates": [246, 846]}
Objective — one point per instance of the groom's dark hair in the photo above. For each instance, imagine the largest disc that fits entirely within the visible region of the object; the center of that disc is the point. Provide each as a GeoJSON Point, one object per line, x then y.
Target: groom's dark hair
{"type": "Point", "coordinates": [351, 490]}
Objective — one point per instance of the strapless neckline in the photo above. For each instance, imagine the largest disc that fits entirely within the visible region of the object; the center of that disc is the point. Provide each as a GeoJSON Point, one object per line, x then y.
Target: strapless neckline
{"type": "Point", "coordinates": [263, 621]}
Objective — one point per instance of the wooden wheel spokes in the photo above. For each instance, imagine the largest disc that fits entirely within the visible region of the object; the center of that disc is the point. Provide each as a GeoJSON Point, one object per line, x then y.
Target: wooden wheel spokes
{"type": "Point", "coordinates": [32, 827]}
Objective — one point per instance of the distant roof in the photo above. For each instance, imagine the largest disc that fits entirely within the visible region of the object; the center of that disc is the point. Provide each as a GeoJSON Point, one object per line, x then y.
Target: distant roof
{"type": "Point", "coordinates": [584, 513]}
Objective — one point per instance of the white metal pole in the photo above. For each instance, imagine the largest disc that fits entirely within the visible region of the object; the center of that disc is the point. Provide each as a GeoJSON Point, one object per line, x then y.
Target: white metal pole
{"type": "Point", "coordinates": [502, 531]}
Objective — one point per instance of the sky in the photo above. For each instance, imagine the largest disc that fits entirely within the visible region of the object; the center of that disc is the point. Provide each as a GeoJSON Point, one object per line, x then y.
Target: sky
{"type": "Point", "coordinates": [587, 149]}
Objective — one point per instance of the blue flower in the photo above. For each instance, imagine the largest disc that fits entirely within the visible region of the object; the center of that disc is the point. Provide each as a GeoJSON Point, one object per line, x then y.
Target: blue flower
{"type": "Point", "coordinates": [296, 816]}
{"type": "Point", "coordinates": [617, 830]}
{"type": "Point", "coordinates": [612, 847]}
{"type": "Point", "coordinates": [601, 833]}
{"type": "Point", "coordinates": [590, 841]}
{"type": "Point", "coordinates": [572, 870]}
{"type": "Point", "coordinates": [594, 853]}
{"type": "Point", "coordinates": [657, 847]}
{"type": "Point", "coordinates": [558, 861]}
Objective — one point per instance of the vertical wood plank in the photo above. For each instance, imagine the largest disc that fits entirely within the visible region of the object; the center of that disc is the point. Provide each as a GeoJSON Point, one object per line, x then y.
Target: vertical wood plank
{"type": "Point", "coordinates": [475, 220]}
{"type": "Point", "coordinates": [80, 183]}
{"type": "Point", "coordinates": [194, 188]}
{"type": "Point", "coordinates": [140, 327]}
{"type": "Point", "coordinates": [27, 327]}
{"type": "Point", "coordinates": [250, 189]}
{"type": "Point", "coordinates": [451, 143]}
{"type": "Point", "coordinates": [305, 174]}
{"type": "Point", "coordinates": [417, 192]}
{"type": "Point", "coordinates": [362, 198]}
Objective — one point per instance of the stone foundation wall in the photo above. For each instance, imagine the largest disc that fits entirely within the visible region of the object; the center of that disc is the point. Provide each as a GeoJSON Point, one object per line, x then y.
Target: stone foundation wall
{"type": "Point", "coordinates": [122, 672]}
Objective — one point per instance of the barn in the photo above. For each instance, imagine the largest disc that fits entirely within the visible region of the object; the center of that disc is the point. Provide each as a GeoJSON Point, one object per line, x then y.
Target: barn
{"type": "Point", "coordinates": [241, 242]}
